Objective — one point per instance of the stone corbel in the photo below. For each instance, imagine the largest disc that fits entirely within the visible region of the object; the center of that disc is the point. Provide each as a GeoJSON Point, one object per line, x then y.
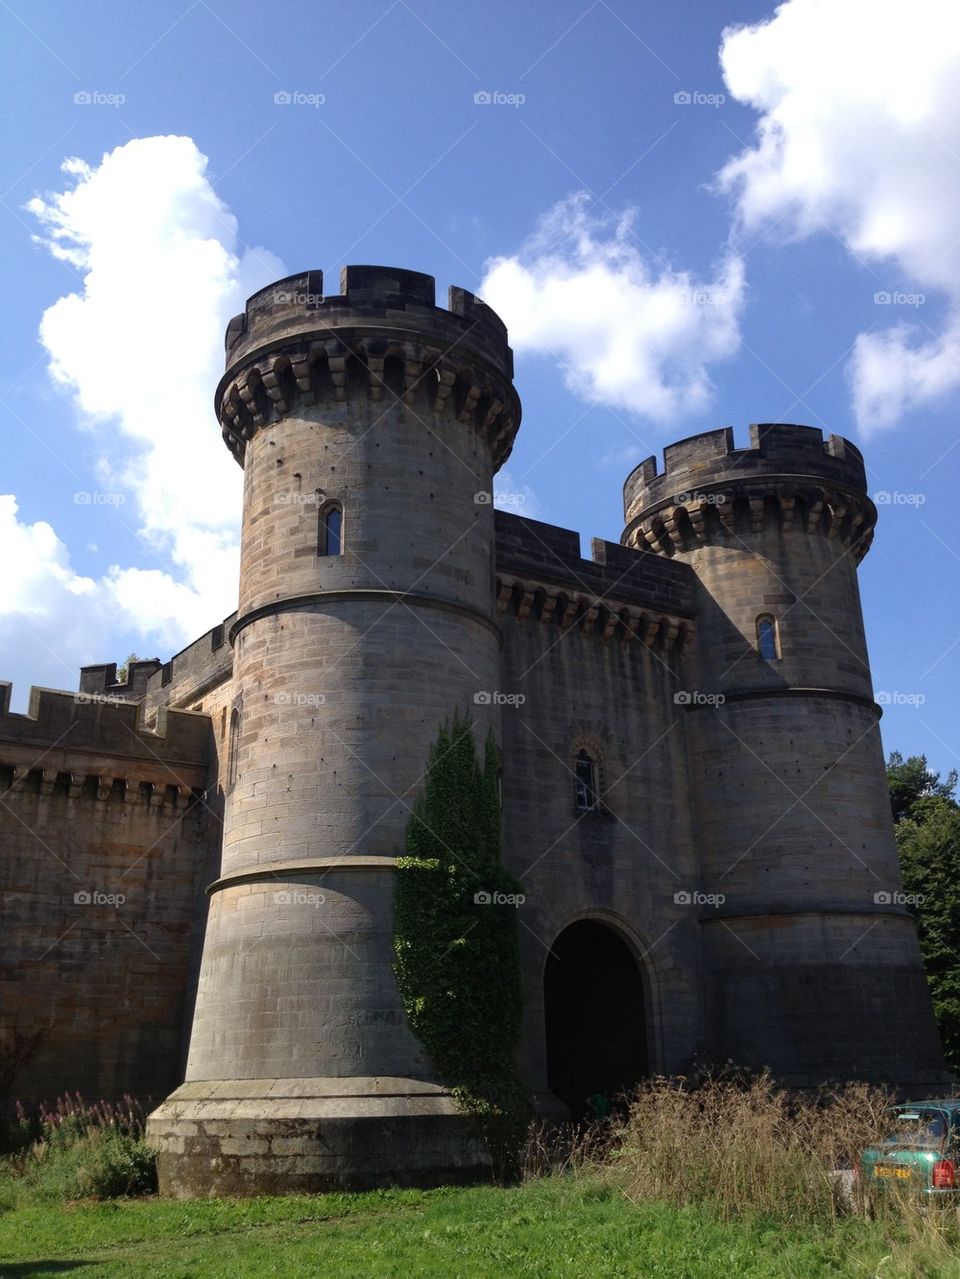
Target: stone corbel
{"type": "Point", "coordinates": [248, 396]}
{"type": "Point", "coordinates": [468, 412]}
{"type": "Point", "coordinates": [569, 614]}
{"type": "Point", "coordinates": [672, 526]}
{"type": "Point", "coordinates": [652, 539]}
{"type": "Point", "coordinates": [651, 626]}
{"type": "Point", "coordinates": [271, 385]}
{"type": "Point", "coordinates": [813, 515]}
{"type": "Point", "coordinates": [523, 608]}
{"type": "Point", "coordinates": [412, 373]}
{"type": "Point", "coordinates": [837, 512]}
{"type": "Point", "coordinates": [670, 629]}
{"type": "Point", "coordinates": [493, 412]}
{"type": "Point", "coordinates": [231, 410]}
{"type": "Point", "coordinates": [302, 364]}
{"type": "Point", "coordinates": [446, 377]}
{"type": "Point", "coordinates": [696, 511]}
{"type": "Point", "coordinates": [630, 623]}
{"type": "Point", "coordinates": [505, 430]}
{"type": "Point", "coordinates": [337, 361]}
{"type": "Point", "coordinates": [375, 365]}
{"type": "Point", "coordinates": [590, 618]}
{"type": "Point", "coordinates": [547, 608]}
{"type": "Point", "coordinates": [855, 531]}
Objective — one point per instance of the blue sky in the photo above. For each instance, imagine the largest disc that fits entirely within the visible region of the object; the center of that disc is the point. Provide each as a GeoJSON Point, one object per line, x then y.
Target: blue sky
{"type": "Point", "coordinates": [744, 229]}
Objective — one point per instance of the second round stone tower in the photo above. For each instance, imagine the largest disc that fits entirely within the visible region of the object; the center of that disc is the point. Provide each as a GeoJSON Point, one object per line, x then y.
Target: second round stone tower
{"type": "Point", "coordinates": [369, 425]}
{"type": "Point", "coordinates": [811, 964]}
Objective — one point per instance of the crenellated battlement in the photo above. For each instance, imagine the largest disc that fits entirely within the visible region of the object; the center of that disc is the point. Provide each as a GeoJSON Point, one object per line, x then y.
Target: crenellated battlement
{"type": "Point", "coordinates": [618, 595]}
{"type": "Point", "coordinates": [190, 675]}
{"type": "Point", "coordinates": [66, 739]}
{"type": "Point", "coordinates": [103, 679]}
{"type": "Point", "coordinates": [382, 336]}
{"type": "Point", "coordinates": [370, 290]}
{"type": "Point", "coordinates": [774, 447]}
{"type": "Point", "coordinates": [789, 475]}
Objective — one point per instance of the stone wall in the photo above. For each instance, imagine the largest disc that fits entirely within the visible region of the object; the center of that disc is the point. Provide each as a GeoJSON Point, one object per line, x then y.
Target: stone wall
{"type": "Point", "coordinates": [593, 652]}
{"type": "Point", "coordinates": [106, 846]}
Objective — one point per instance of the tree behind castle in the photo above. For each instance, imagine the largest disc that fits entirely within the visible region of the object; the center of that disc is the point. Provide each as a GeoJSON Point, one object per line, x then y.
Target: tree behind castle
{"type": "Point", "coordinates": [927, 829]}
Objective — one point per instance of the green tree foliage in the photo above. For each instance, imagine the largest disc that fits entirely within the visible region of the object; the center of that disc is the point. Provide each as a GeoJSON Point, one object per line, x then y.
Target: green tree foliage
{"type": "Point", "coordinates": [456, 940]}
{"type": "Point", "coordinates": [911, 779]}
{"type": "Point", "coordinates": [928, 839]}
{"type": "Point", "coordinates": [124, 670]}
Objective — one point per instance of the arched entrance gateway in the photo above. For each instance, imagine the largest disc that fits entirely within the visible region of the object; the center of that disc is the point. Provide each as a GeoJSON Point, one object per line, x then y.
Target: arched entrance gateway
{"type": "Point", "coordinates": [595, 1015]}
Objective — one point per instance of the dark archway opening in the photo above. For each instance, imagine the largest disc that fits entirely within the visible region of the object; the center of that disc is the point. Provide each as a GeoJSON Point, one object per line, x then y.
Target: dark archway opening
{"type": "Point", "coordinates": [595, 1018]}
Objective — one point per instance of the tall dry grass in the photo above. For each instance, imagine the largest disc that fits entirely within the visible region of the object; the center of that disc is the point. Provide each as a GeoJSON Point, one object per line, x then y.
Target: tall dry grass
{"type": "Point", "coordinates": [749, 1145]}
{"type": "Point", "coordinates": [553, 1149]}
{"type": "Point", "coordinates": [747, 1148]}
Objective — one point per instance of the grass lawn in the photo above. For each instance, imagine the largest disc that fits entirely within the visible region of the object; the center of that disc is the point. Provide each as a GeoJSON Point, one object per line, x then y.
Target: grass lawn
{"type": "Point", "coordinates": [554, 1227]}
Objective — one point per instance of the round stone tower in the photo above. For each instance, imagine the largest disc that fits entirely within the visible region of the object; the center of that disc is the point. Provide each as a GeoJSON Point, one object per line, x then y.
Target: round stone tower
{"type": "Point", "coordinates": [810, 955]}
{"type": "Point", "coordinates": [369, 426]}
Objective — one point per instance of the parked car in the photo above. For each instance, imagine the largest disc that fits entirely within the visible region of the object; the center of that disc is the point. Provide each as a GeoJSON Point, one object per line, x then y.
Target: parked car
{"type": "Point", "coordinates": [922, 1151]}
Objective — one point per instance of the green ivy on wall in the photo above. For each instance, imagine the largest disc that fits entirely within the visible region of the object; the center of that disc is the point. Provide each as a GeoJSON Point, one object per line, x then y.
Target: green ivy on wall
{"type": "Point", "coordinates": [456, 937]}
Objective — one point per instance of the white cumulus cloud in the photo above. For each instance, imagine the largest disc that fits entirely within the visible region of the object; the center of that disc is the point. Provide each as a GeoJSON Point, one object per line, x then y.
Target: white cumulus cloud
{"type": "Point", "coordinates": [141, 347]}
{"type": "Point", "coordinates": [630, 333]}
{"type": "Point", "coordinates": [859, 135]}
{"type": "Point", "coordinates": [54, 619]}
{"type": "Point", "coordinates": [138, 349]}
{"type": "Point", "coordinates": [44, 601]}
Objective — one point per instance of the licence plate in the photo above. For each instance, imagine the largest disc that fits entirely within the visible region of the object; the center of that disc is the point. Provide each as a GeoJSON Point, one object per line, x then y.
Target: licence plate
{"type": "Point", "coordinates": [891, 1170]}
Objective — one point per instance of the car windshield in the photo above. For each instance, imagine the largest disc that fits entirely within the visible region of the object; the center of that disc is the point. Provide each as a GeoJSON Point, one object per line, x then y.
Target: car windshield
{"type": "Point", "coordinates": [914, 1127]}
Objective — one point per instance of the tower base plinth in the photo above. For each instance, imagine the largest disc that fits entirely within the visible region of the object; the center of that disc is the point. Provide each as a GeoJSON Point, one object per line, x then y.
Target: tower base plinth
{"type": "Point", "coordinates": [291, 1136]}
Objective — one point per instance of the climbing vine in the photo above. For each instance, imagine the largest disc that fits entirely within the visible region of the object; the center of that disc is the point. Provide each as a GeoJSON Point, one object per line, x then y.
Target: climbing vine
{"type": "Point", "coordinates": [456, 937]}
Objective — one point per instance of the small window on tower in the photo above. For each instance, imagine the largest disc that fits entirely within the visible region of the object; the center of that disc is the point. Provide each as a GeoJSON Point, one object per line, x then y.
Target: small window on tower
{"type": "Point", "coordinates": [586, 782]}
{"type": "Point", "coordinates": [234, 747]}
{"type": "Point", "coordinates": [330, 539]}
{"type": "Point", "coordinates": [768, 641]}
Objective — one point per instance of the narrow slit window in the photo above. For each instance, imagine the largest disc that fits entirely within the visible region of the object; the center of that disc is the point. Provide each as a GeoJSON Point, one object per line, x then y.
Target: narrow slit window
{"type": "Point", "coordinates": [330, 541]}
{"type": "Point", "coordinates": [586, 782]}
{"type": "Point", "coordinates": [768, 641]}
{"type": "Point", "coordinates": [234, 748]}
